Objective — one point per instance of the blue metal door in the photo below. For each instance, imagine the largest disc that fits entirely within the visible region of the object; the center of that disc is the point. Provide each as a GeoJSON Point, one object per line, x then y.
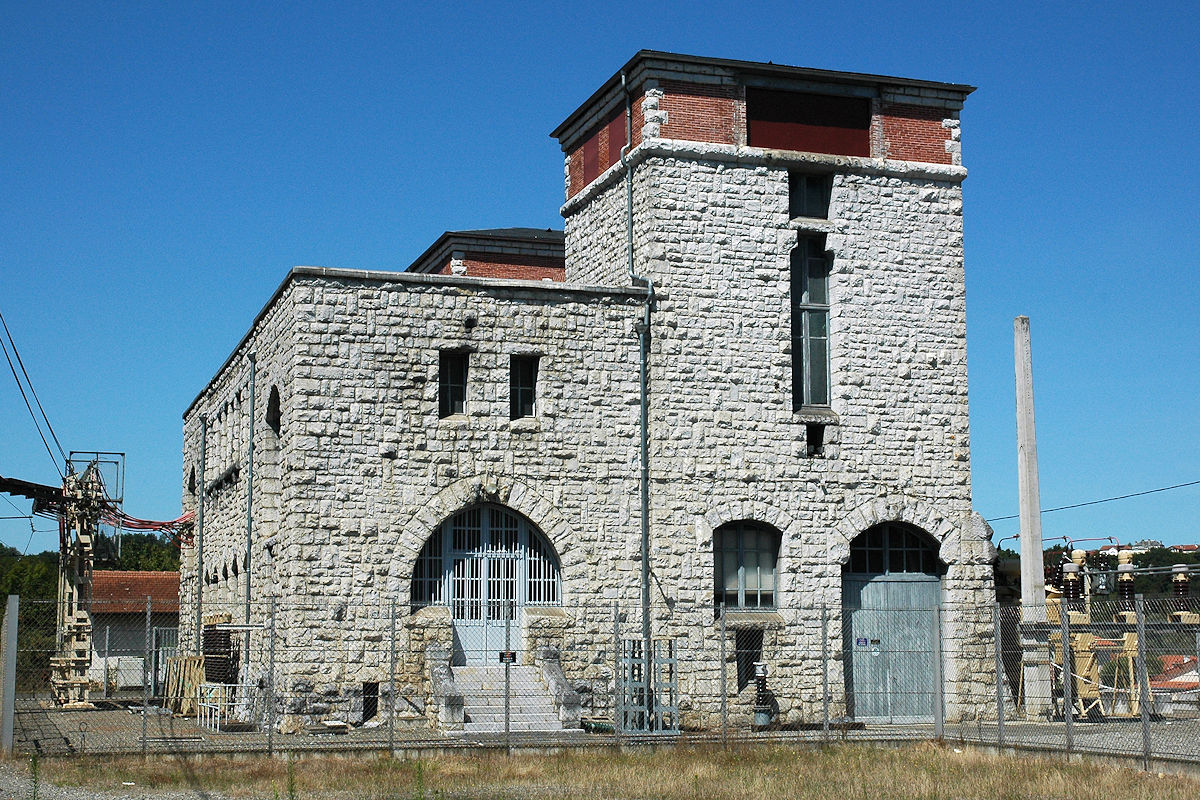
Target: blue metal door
{"type": "Point", "coordinates": [889, 625]}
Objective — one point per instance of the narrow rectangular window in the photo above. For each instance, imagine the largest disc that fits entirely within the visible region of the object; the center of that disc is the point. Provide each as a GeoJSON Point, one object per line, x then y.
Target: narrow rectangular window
{"type": "Point", "coordinates": [452, 383]}
{"type": "Point", "coordinates": [808, 195]}
{"type": "Point", "coordinates": [522, 384]}
{"type": "Point", "coordinates": [810, 323]}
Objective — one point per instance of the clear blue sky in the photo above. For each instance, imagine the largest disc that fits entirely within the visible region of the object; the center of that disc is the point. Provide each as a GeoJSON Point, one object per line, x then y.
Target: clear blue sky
{"type": "Point", "coordinates": [163, 164]}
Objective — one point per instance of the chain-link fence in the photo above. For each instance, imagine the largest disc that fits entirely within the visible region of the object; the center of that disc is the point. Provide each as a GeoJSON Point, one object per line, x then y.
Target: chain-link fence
{"type": "Point", "coordinates": [337, 673]}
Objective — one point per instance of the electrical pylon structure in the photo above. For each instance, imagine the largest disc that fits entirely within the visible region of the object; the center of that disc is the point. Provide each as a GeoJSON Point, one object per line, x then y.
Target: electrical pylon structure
{"type": "Point", "coordinates": [84, 500]}
{"type": "Point", "coordinates": [81, 505]}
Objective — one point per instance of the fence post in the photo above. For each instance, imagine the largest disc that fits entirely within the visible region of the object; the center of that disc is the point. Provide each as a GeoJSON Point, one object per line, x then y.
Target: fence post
{"type": "Point", "coordinates": [1143, 680]}
{"type": "Point", "coordinates": [999, 648]}
{"type": "Point", "coordinates": [146, 680]}
{"type": "Point", "coordinates": [508, 679]}
{"type": "Point", "coordinates": [271, 682]}
{"type": "Point", "coordinates": [939, 677]}
{"type": "Point", "coordinates": [725, 684]}
{"type": "Point", "coordinates": [9, 698]}
{"type": "Point", "coordinates": [392, 684]}
{"type": "Point", "coordinates": [106, 632]}
{"type": "Point", "coordinates": [618, 690]}
{"type": "Point", "coordinates": [1068, 674]}
{"type": "Point", "coordinates": [825, 673]}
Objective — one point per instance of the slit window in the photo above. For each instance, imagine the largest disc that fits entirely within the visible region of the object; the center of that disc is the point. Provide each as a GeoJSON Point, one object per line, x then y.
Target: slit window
{"type": "Point", "coordinates": [814, 435]}
{"type": "Point", "coordinates": [452, 383]}
{"type": "Point", "coordinates": [522, 384]}
{"type": "Point", "coordinates": [810, 323]}
{"type": "Point", "coordinates": [747, 648]}
{"type": "Point", "coordinates": [274, 417]}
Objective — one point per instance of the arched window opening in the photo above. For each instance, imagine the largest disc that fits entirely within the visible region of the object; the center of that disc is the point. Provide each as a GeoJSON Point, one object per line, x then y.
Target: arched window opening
{"type": "Point", "coordinates": [892, 548]}
{"type": "Point", "coordinates": [192, 482]}
{"type": "Point", "coordinates": [274, 417]}
{"type": "Point", "coordinates": [745, 565]}
{"type": "Point", "coordinates": [486, 554]}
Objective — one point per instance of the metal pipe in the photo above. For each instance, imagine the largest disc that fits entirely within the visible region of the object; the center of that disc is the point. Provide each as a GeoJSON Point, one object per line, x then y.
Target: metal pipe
{"type": "Point", "coordinates": [202, 487]}
{"type": "Point", "coordinates": [249, 498]}
{"type": "Point", "coordinates": [1143, 680]}
{"type": "Point", "coordinates": [1068, 674]}
{"type": "Point", "coordinates": [644, 358]}
{"type": "Point", "coordinates": [998, 642]}
{"type": "Point", "coordinates": [146, 680]}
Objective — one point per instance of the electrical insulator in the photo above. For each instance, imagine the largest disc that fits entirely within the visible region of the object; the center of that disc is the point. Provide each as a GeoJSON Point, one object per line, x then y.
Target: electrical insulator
{"type": "Point", "coordinates": [1125, 582]}
{"type": "Point", "coordinates": [1072, 587]}
{"type": "Point", "coordinates": [1181, 583]}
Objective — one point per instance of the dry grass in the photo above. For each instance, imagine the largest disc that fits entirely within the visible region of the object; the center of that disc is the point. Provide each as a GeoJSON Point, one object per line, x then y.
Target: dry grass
{"type": "Point", "coordinates": [847, 772]}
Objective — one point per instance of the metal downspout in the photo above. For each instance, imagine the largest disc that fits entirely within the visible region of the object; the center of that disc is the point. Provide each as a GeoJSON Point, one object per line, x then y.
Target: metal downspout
{"type": "Point", "coordinates": [644, 358]}
{"type": "Point", "coordinates": [249, 501]}
{"type": "Point", "coordinates": [203, 487]}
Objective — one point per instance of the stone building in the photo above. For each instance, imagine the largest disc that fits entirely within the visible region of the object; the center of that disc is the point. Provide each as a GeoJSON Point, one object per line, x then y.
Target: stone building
{"type": "Point", "coordinates": [778, 252]}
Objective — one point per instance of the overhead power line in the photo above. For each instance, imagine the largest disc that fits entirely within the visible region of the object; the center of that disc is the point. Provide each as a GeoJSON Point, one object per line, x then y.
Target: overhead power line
{"type": "Point", "coordinates": [21, 388]}
{"type": "Point", "coordinates": [1104, 500]}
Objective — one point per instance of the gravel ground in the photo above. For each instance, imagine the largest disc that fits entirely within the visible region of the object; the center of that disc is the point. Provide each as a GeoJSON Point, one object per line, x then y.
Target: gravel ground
{"type": "Point", "coordinates": [16, 785]}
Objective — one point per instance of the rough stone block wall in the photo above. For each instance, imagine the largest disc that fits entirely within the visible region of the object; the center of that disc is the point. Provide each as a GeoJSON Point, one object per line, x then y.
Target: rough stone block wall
{"type": "Point", "coordinates": [381, 470]}
{"type": "Point", "coordinates": [715, 235]}
{"type": "Point", "coordinates": [225, 403]}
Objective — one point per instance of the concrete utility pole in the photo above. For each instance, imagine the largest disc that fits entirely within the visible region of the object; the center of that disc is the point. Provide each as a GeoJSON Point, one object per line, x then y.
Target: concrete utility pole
{"type": "Point", "coordinates": [1033, 582]}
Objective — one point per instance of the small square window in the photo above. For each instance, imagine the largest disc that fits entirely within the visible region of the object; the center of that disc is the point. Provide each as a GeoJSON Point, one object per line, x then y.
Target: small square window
{"type": "Point", "coordinates": [808, 195]}
{"type": "Point", "coordinates": [522, 384]}
{"type": "Point", "coordinates": [452, 383]}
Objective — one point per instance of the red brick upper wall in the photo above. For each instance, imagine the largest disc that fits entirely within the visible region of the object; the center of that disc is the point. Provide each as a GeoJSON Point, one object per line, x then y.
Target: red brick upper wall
{"type": "Point", "coordinates": [718, 114]}
{"type": "Point", "coordinates": [517, 266]}
{"type": "Point", "coordinates": [602, 148]}
{"type": "Point", "coordinates": [702, 113]}
{"type": "Point", "coordinates": [915, 133]}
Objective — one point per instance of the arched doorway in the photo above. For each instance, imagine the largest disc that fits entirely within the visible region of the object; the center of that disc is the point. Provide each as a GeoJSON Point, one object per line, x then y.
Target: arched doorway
{"type": "Point", "coordinates": [487, 563]}
{"type": "Point", "coordinates": [891, 593]}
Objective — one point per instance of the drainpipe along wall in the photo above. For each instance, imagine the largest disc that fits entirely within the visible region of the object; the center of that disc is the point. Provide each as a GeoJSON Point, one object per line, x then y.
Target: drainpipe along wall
{"type": "Point", "coordinates": [249, 501]}
{"type": "Point", "coordinates": [644, 357]}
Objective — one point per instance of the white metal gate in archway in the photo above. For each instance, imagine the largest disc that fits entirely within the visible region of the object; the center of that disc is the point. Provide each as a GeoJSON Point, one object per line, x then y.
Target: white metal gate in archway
{"type": "Point", "coordinates": [487, 563]}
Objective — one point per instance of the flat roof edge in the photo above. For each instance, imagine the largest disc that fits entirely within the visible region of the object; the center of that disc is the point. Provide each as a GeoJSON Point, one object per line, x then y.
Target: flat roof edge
{"type": "Point", "coordinates": [415, 278]}
{"type": "Point", "coordinates": [754, 67]}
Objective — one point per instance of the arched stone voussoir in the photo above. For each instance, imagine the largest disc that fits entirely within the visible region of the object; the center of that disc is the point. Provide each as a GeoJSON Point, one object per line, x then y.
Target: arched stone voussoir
{"type": "Point", "coordinates": [896, 508]}
{"type": "Point", "coordinates": [498, 489]}
{"type": "Point", "coordinates": [749, 510]}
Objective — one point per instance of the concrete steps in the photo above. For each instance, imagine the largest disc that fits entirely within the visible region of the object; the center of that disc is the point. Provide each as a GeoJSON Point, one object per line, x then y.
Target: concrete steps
{"type": "Point", "coordinates": [531, 708]}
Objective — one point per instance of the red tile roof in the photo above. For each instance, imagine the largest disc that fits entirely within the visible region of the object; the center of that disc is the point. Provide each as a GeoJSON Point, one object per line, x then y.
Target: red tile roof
{"type": "Point", "coordinates": [125, 592]}
{"type": "Point", "coordinates": [1174, 668]}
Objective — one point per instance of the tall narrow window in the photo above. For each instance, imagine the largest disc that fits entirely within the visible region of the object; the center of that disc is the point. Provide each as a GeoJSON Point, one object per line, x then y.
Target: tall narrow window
{"type": "Point", "coordinates": [744, 565]}
{"type": "Point", "coordinates": [808, 195]}
{"type": "Point", "coordinates": [452, 383]}
{"type": "Point", "coordinates": [522, 385]}
{"type": "Point", "coordinates": [810, 323]}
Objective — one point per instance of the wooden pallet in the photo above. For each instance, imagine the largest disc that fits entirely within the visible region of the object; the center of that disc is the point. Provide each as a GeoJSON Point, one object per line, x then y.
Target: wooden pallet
{"type": "Point", "coordinates": [184, 676]}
